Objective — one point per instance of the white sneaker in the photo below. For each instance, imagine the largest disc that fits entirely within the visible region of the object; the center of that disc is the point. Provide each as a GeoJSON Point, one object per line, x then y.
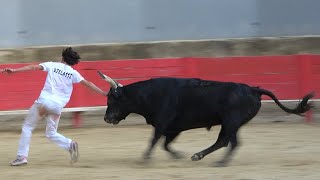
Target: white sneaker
{"type": "Point", "coordinates": [74, 152]}
{"type": "Point", "coordinates": [20, 160]}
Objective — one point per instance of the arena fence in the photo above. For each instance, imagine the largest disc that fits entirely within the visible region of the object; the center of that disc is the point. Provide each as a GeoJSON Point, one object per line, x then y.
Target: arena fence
{"type": "Point", "coordinates": [289, 77]}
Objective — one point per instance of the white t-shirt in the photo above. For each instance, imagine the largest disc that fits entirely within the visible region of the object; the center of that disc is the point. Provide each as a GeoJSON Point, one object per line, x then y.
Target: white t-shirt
{"type": "Point", "coordinates": [59, 82]}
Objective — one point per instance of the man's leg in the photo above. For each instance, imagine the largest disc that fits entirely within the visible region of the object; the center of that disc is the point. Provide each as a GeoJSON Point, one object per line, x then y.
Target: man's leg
{"type": "Point", "coordinates": [59, 139]}
{"type": "Point", "coordinates": [28, 126]}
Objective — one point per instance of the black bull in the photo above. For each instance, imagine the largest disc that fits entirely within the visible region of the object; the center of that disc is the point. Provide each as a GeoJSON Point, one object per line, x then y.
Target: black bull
{"type": "Point", "coordinates": [173, 105]}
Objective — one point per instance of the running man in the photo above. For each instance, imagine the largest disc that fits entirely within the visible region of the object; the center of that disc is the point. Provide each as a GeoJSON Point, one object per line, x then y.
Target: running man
{"type": "Point", "coordinates": [54, 96]}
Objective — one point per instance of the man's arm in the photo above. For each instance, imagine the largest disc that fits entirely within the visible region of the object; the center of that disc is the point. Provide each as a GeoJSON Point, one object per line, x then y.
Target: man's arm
{"type": "Point", "coordinates": [22, 69]}
{"type": "Point", "coordinates": [93, 87]}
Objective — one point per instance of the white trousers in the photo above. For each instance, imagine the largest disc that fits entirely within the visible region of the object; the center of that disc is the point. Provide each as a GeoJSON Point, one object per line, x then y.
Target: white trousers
{"type": "Point", "coordinates": [51, 133]}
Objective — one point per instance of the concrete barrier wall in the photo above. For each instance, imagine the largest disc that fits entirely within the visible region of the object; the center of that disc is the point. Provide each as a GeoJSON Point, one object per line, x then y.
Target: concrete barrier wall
{"type": "Point", "coordinates": [143, 50]}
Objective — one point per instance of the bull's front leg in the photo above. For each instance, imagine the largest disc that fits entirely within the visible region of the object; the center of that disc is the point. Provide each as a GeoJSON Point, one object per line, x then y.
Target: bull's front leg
{"type": "Point", "coordinates": [160, 122]}
{"type": "Point", "coordinates": [156, 137]}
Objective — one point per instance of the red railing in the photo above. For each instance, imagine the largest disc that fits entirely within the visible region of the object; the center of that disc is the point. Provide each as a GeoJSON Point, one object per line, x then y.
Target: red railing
{"type": "Point", "coordinates": [289, 77]}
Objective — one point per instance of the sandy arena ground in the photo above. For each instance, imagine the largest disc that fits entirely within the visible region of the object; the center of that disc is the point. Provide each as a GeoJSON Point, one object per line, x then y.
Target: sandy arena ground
{"type": "Point", "coordinates": [268, 151]}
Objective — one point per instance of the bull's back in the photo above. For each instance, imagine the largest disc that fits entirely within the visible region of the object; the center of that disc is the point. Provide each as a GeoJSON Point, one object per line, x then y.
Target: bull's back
{"type": "Point", "coordinates": [155, 94]}
{"type": "Point", "coordinates": [168, 87]}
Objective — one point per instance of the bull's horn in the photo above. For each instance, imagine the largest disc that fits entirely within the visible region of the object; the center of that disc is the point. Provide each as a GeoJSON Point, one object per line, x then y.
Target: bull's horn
{"type": "Point", "coordinates": [108, 79]}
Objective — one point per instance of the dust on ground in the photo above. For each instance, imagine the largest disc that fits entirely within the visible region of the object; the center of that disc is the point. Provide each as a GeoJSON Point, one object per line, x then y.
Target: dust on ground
{"type": "Point", "coordinates": [267, 151]}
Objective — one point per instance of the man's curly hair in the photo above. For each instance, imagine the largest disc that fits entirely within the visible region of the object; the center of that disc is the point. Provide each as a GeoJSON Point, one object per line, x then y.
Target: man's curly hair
{"type": "Point", "coordinates": [70, 56]}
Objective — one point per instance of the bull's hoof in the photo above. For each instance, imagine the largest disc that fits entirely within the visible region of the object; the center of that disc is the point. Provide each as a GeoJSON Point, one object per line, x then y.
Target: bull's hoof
{"type": "Point", "coordinates": [197, 157]}
{"type": "Point", "coordinates": [146, 156]}
{"type": "Point", "coordinates": [177, 155]}
{"type": "Point", "coordinates": [220, 164]}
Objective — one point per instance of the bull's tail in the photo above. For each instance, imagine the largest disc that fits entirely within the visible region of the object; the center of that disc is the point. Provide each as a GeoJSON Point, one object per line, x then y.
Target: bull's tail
{"type": "Point", "coordinates": [302, 107]}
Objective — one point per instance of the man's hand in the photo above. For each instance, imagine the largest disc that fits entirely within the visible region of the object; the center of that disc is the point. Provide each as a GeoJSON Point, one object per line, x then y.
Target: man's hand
{"type": "Point", "coordinates": [93, 87]}
{"type": "Point", "coordinates": [106, 93]}
{"type": "Point", "coordinates": [8, 70]}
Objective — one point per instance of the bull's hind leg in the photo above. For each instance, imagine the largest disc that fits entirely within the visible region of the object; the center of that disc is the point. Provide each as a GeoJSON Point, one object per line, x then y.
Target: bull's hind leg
{"type": "Point", "coordinates": [226, 159]}
{"type": "Point", "coordinates": [222, 141]}
{"type": "Point", "coordinates": [169, 138]}
{"type": "Point", "coordinates": [231, 126]}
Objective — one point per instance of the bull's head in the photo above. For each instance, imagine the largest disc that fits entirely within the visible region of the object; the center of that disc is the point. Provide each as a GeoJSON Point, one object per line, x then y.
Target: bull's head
{"type": "Point", "coordinates": [117, 109]}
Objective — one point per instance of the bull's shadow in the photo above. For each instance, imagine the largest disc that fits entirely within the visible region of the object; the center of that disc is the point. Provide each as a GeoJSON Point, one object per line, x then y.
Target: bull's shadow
{"type": "Point", "coordinates": [173, 105]}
